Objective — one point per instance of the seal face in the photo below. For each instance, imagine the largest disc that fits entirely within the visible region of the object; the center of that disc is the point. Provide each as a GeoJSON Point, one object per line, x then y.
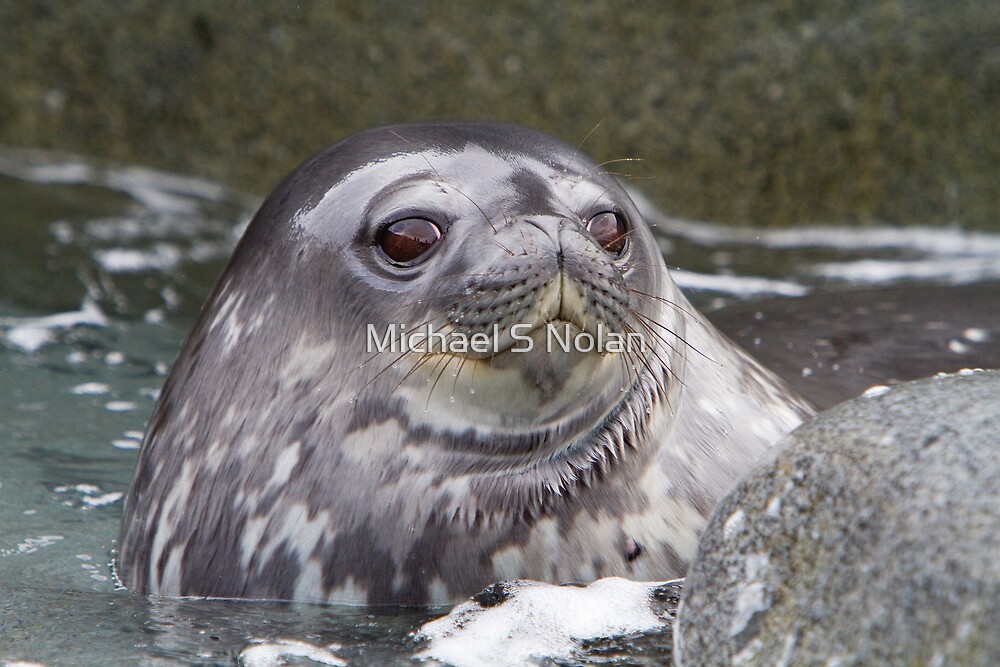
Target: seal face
{"type": "Point", "coordinates": [441, 356]}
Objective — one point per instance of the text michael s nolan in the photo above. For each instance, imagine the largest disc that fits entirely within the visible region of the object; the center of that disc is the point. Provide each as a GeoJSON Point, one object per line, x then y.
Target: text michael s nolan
{"type": "Point", "coordinates": [560, 336]}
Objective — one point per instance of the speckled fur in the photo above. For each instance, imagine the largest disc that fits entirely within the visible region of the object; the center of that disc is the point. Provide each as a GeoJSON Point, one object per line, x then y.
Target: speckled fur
{"type": "Point", "coordinates": [284, 462]}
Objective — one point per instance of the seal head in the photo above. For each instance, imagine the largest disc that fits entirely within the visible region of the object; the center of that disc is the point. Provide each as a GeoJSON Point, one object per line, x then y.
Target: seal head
{"type": "Point", "coordinates": [441, 355]}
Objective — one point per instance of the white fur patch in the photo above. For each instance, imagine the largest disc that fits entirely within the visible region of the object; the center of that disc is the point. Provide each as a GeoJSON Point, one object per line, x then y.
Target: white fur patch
{"type": "Point", "coordinates": [286, 462]}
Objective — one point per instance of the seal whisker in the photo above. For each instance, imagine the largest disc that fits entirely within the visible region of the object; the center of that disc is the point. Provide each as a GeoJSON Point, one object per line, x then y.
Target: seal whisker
{"type": "Point", "coordinates": [447, 362]}
{"type": "Point", "coordinates": [627, 234]}
{"type": "Point", "coordinates": [600, 195]}
{"type": "Point", "coordinates": [421, 360]}
{"type": "Point", "coordinates": [524, 249]}
{"type": "Point", "coordinates": [506, 249]}
{"type": "Point", "coordinates": [648, 265]}
{"type": "Point", "coordinates": [652, 322]}
{"type": "Point", "coordinates": [627, 359]}
{"type": "Point", "coordinates": [454, 383]}
{"type": "Point", "coordinates": [448, 295]}
{"type": "Point", "coordinates": [438, 297]}
{"type": "Point", "coordinates": [657, 337]}
{"type": "Point", "coordinates": [394, 362]}
{"type": "Point", "coordinates": [503, 212]}
{"type": "Point", "coordinates": [600, 167]}
{"type": "Point", "coordinates": [667, 302]}
{"type": "Point", "coordinates": [385, 368]}
{"type": "Point", "coordinates": [426, 358]}
{"type": "Point", "coordinates": [441, 180]}
{"type": "Point", "coordinates": [480, 274]}
{"type": "Point", "coordinates": [579, 146]}
{"type": "Point", "coordinates": [633, 177]}
{"type": "Point", "coordinates": [663, 363]}
{"type": "Point", "coordinates": [357, 368]}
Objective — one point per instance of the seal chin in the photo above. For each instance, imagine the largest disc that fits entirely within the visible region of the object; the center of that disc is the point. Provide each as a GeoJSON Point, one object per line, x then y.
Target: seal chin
{"type": "Point", "coordinates": [555, 335]}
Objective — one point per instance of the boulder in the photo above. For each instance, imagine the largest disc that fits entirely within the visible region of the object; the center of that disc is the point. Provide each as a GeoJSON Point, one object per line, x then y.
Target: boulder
{"type": "Point", "coordinates": [870, 535]}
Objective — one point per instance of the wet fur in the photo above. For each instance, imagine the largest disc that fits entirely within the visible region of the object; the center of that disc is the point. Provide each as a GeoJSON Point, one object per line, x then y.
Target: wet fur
{"type": "Point", "coordinates": [282, 462]}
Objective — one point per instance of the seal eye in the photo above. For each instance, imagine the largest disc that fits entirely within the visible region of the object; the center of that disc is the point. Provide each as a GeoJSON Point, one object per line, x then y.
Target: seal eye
{"type": "Point", "coordinates": [610, 231]}
{"type": "Point", "coordinates": [406, 240]}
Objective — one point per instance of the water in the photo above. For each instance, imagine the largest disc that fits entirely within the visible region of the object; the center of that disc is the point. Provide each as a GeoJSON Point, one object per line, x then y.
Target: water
{"type": "Point", "coordinates": [102, 272]}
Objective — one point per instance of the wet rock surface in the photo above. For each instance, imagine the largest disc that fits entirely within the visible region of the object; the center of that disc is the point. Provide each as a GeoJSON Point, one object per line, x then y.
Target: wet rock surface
{"type": "Point", "coordinates": [869, 537]}
{"type": "Point", "coordinates": [764, 113]}
{"type": "Point", "coordinates": [831, 346]}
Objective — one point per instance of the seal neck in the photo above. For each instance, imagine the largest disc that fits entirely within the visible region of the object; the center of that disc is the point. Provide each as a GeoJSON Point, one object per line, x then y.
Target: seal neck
{"type": "Point", "coordinates": [525, 491]}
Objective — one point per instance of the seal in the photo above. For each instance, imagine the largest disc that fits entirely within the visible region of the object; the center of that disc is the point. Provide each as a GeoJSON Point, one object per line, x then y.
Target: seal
{"type": "Point", "coordinates": [442, 355]}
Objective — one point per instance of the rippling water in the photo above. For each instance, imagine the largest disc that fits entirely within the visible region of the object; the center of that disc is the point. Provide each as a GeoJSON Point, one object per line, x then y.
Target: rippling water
{"type": "Point", "coordinates": [102, 272]}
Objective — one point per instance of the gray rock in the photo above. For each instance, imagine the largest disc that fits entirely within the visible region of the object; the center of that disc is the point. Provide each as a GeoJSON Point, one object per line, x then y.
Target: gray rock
{"type": "Point", "coordinates": [870, 536]}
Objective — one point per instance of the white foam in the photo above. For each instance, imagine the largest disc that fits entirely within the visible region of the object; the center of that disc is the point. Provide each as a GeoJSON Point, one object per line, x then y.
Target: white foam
{"type": "Point", "coordinates": [29, 339]}
{"type": "Point", "coordinates": [30, 334]}
{"type": "Point", "coordinates": [126, 444]}
{"type": "Point", "coordinates": [114, 358]}
{"type": "Point", "coordinates": [539, 621]}
{"type": "Point", "coordinates": [156, 190]}
{"type": "Point", "coordinates": [931, 240]}
{"type": "Point", "coordinates": [80, 488]}
{"type": "Point", "coordinates": [103, 499]}
{"type": "Point", "coordinates": [90, 495]}
{"type": "Point", "coordinates": [275, 652]}
{"type": "Point", "coordinates": [956, 270]}
{"type": "Point", "coordinates": [91, 388]}
{"type": "Point", "coordinates": [120, 406]}
{"type": "Point", "coordinates": [736, 285]}
{"type": "Point", "coordinates": [162, 257]}
{"type": "Point", "coordinates": [924, 239]}
{"type": "Point", "coordinates": [132, 440]}
{"type": "Point", "coordinates": [951, 255]}
{"type": "Point", "coordinates": [32, 544]}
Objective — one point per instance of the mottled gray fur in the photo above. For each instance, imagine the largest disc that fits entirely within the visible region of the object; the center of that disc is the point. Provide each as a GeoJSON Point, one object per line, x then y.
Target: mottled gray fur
{"type": "Point", "coordinates": [283, 461]}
